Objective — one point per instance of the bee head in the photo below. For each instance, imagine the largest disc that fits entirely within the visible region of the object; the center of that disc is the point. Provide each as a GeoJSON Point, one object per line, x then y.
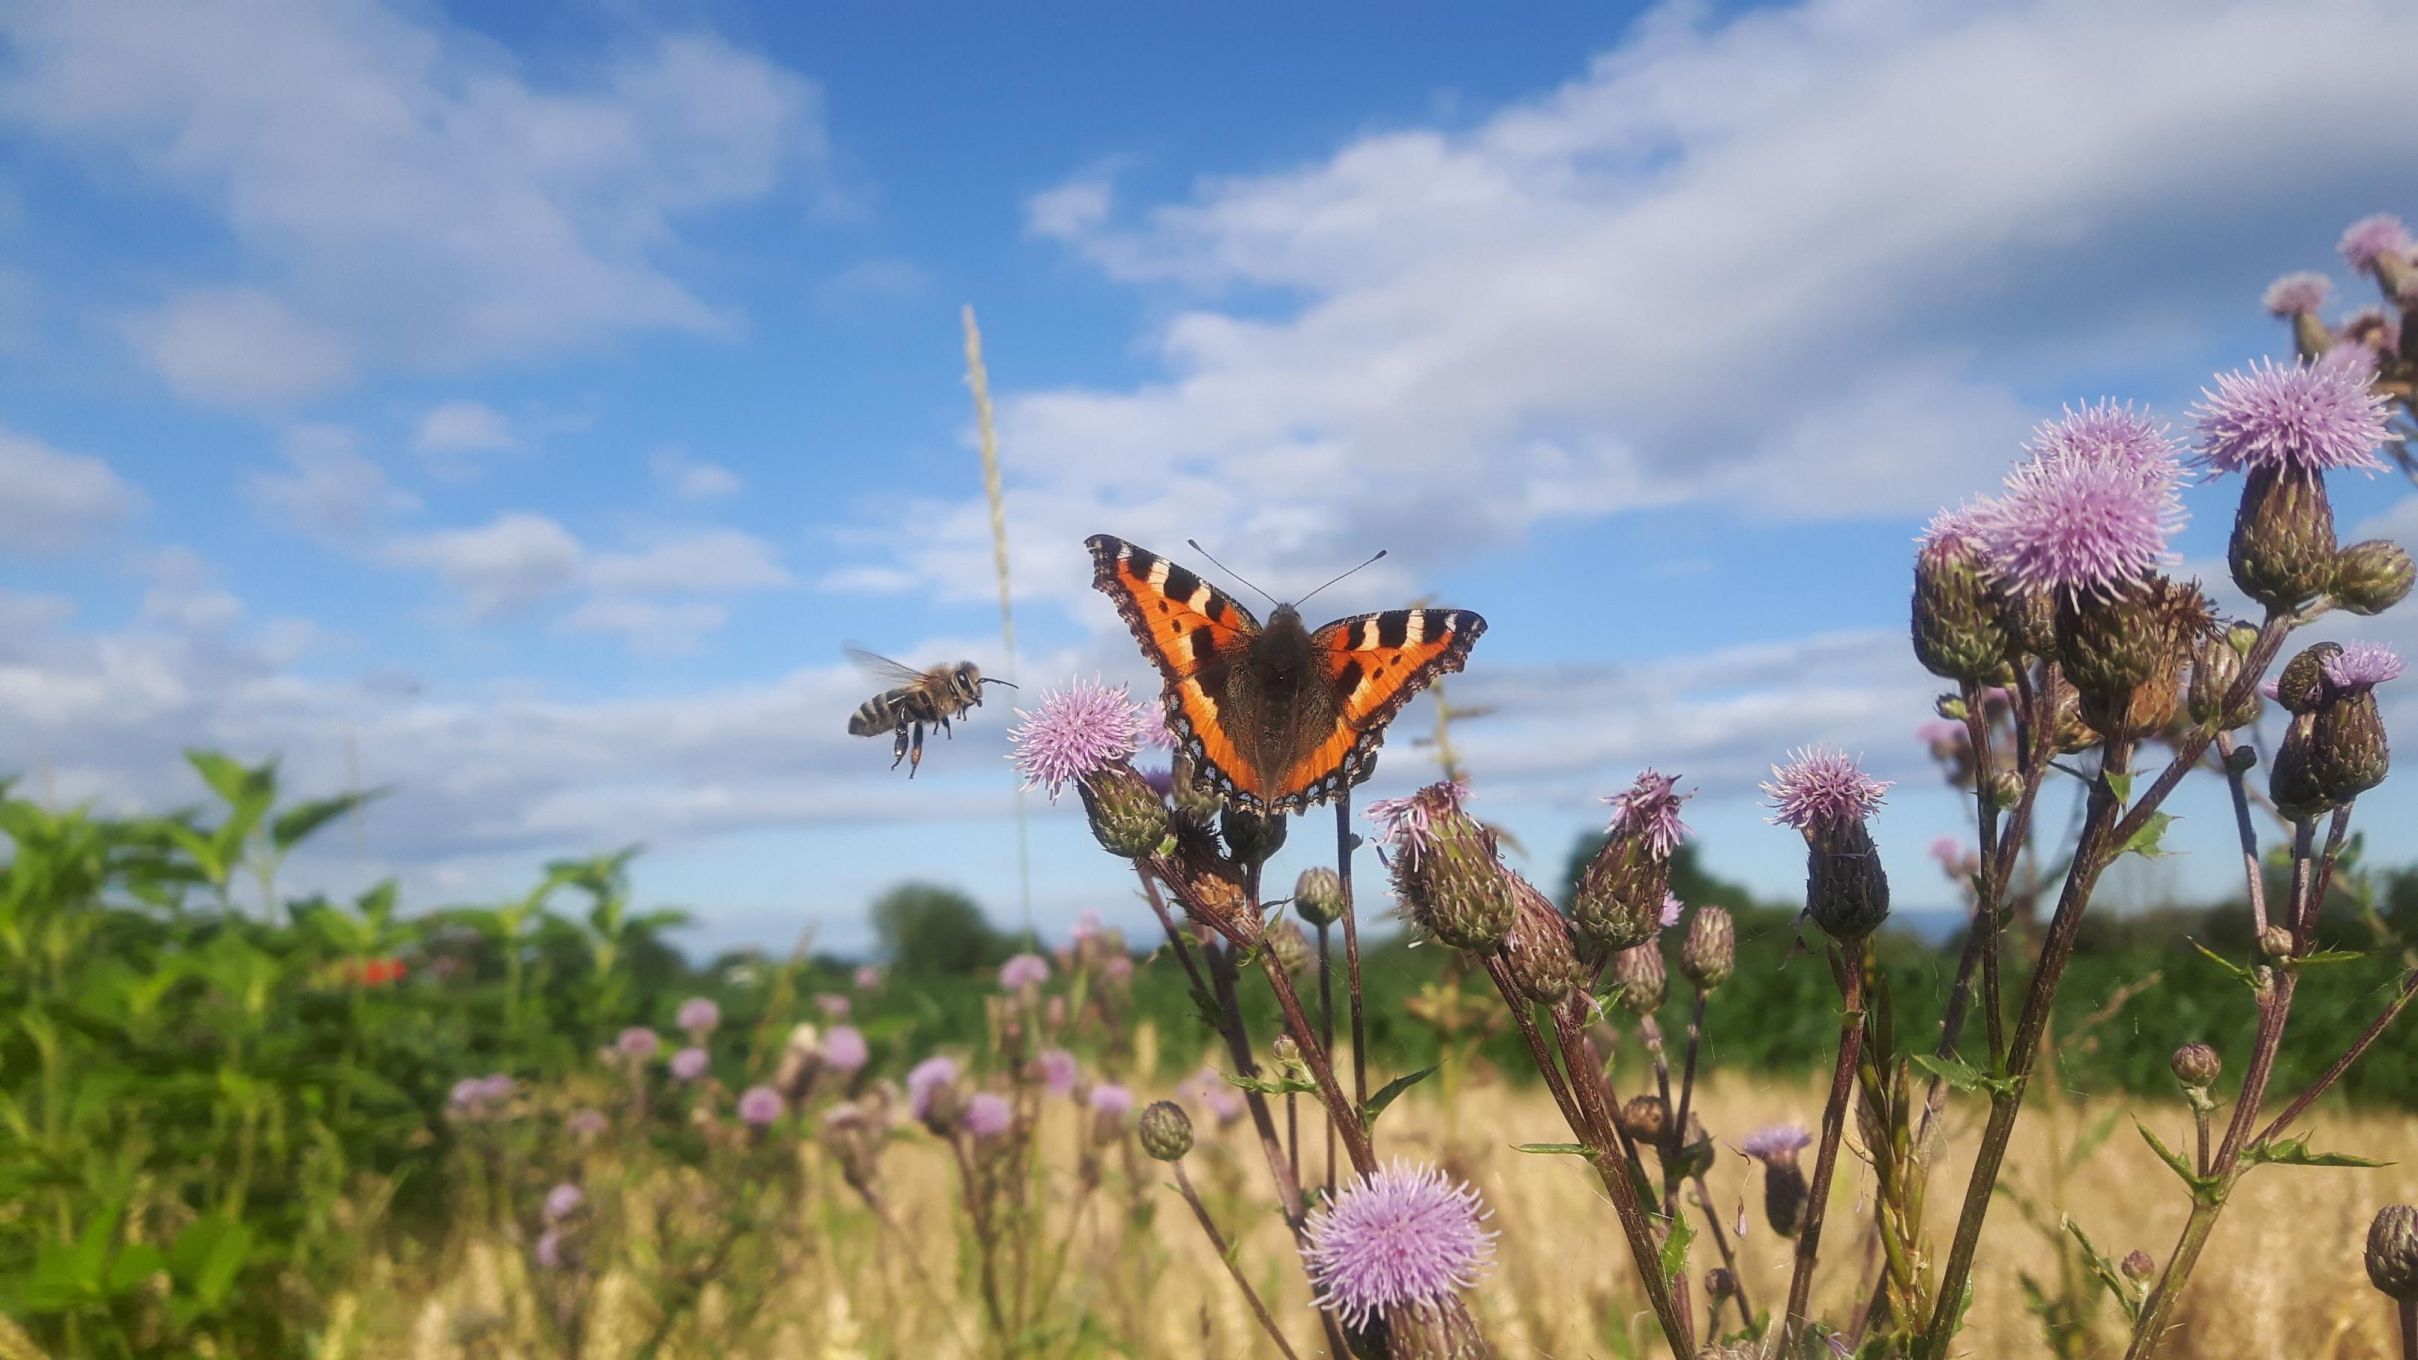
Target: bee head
{"type": "Point", "coordinates": [969, 680]}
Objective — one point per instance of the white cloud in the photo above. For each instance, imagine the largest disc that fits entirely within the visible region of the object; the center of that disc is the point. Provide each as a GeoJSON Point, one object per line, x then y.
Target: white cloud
{"type": "Point", "coordinates": [185, 594]}
{"type": "Point", "coordinates": [649, 627]}
{"type": "Point", "coordinates": [459, 427]}
{"type": "Point", "coordinates": [403, 190]}
{"type": "Point", "coordinates": [710, 561]}
{"type": "Point", "coordinates": [692, 479]}
{"type": "Point", "coordinates": [511, 562]}
{"type": "Point", "coordinates": [661, 596]}
{"type": "Point", "coordinates": [330, 490]}
{"type": "Point", "coordinates": [52, 501]}
{"type": "Point", "coordinates": [1812, 261]}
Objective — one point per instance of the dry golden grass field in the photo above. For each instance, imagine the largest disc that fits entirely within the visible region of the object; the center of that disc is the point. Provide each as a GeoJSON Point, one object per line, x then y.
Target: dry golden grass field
{"type": "Point", "coordinates": [2283, 1278]}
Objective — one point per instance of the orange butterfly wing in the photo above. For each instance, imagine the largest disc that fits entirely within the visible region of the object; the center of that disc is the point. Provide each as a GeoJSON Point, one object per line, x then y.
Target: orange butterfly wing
{"type": "Point", "coordinates": [1374, 663]}
{"type": "Point", "coordinates": [1186, 627]}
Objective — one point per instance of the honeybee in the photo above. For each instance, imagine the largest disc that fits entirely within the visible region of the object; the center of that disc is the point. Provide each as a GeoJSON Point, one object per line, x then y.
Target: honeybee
{"type": "Point", "coordinates": [916, 700]}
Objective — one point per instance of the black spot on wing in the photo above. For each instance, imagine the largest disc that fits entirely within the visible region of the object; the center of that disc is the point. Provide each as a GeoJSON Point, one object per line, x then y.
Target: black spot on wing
{"type": "Point", "coordinates": [1180, 583]}
{"type": "Point", "coordinates": [1348, 679]}
{"type": "Point", "coordinates": [1393, 628]}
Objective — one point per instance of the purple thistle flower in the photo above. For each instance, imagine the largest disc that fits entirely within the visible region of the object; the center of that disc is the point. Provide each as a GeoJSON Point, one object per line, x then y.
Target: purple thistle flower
{"type": "Point", "coordinates": [1058, 1071]}
{"type": "Point", "coordinates": [1112, 1100]}
{"type": "Point", "coordinates": [465, 1093]}
{"type": "Point", "coordinates": [2373, 236]}
{"type": "Point", "coordinates": [988, 1115]}
{"type": "Point", "coordinates": [2105, 432]}
{"type": "Point", "coordinates": [1671, 909]}
{"type": "Point", "coordinates": [1119, 967]}
{"type": "Point", "coordinates": [1022, 971]}
{"type": "Point", "coordinates": [924, 1079]}
{"type": "Point", "coordinates": [1777, 1143]}
{"type": "Point", "coordinates": [759, 1106]}
{"type": "Point", "coordinates": [550, 1250]}
{"type": "Point", "coordinates": [1821, 786]}
{"type": "Point", "coordinates": [563, 1201]}
{"type": "Point", "coordinates": [2352, 357]}
{"type": "Point", "coordinates": [585, 1123]}
{"type": "Point", "coordinates": [638, 1043]}
{"type": "Point", "coordinates": [690, 1063]}
{"type": "Point", "coordinates": [1160, 780]}
{"type": "Point", "coordinates": [698, 1016]}
{"type": "Point", "coordinates": [868, 977]}
{"type": "Point", "coordinates": [1073, 732]}
{"type": "Point", "coordinates": [2296, 293]}
{"type": "Point", "coordinates": [2080, 527]}
{"type": "Point", "coordinates": [495, 1088]}
{"type": "Point", "coordinates": [2307, 418]}
{"type": "Point", "coordinates": [844, 1049]}
{"type": "Point", "coordinates": [1950, 852]}
{"type": "Point", "coordinates": [1650, 808]}
{"type": "Point", "coordinates": [1940, 732]}
{"type": "Point", "coordinates": [1404, 824]}
{"type": "Point", "coordinates": [833, 1005]}
{"type": "Point", "coordinates": [1216, 1095]}
{"type": "Point", "coordinates": [1150, 727]}
{"type": "Point", "coordinates": [1406, 1236]}
{"type": "Point", "coordinates": [2362, 666]}
{"type": "Point", "coordinates": [1966, 526]}
{"type": "Point", "coordinates": [1086, 926]}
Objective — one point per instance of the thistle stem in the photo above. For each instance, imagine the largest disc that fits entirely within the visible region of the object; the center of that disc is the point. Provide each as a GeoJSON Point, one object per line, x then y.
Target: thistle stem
{"type": "Point", "coordinates": [1348, 1118]}
{"type": "Point", "coordinates": [1225, 1256]}
{"type": "Point", "coordinates": [1351, 945]}
{"type": "Point", "coordinates": [1595, 1129]}
{"type": "Point", "coordinates": [2253, 880]}
{"type": "Point", "coordinates": [2408, 1309]}
{"type": "Point", "coordinates": [1326, 1026]}
{"type": "Point", "coordinates": [1834, 1121]}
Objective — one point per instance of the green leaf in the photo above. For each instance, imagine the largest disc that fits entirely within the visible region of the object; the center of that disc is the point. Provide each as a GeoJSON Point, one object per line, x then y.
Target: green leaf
{"type": "Point", "coordinates": [2295, 1152]}
{"type": "Point", "coordinates": [208, 1255]}
{"type": "Point", "coordinates": [2316, 957]}
{"type": "Point", "coordinates": [2125, 1295]}
{"type": "Point", "coordinates": [2203, 1188]}
{"type": "Point", "coordinates": [2241, 974]}
{"type": "Point", "coordinates": [2120, 783]}
{"type": "Point", "coordinates": [136, 1264]}
{"type": "Point", "coordinates": [1555, 1149]}
{"type": "Point", "coordinates": [223, 773]}
{"type": "Point", "coordinates": [1675, 1249]}
{"type": "Point", "coordinates": [2146, 841]}
{"type": "Point", "coordinates": [1270, 1086]}
{"type": "Point", "coordinates": [1386, 1094]}
{"type": "Point", "coordinates": [298, 822]}
{"type": "Point", "coordinates": [1963, 1075]}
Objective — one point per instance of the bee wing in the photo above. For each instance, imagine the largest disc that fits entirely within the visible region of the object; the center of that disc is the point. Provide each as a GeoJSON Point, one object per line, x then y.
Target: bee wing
{"type": "Point", "coordinates": [881, 668]}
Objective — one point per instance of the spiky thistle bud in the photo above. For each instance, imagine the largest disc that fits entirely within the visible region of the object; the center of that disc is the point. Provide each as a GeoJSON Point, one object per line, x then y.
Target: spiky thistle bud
{"type": "Point", "coordinates": [2276, 942]}
{"type": "Point", "coordinates": [2372, 577]}
{"type": "Point", "coordinates": [2216, 667]}
{"type": "Point", "coordinates": [1959, 632]}
{"type": "Point", "coordinates": [1165, 1131]}
{"type": "Point", "coordinates": [1444, 867]}
{"type": "Point", "coordinates": [1250, 837]}
{"type": "Point", "coordinates": [1539, 954]}
{"type": "Point", "coordinates": [2392, 1255]}
{"type": "Point", "coordinates": [1318, 896]}
{"type": "Point", "coordinates": [1644, 1119]}
{"type": "Point", "coordinates": [1209, 885]}
{"type": "Point", "coordinates": [2290, 784]}
{"type": "Point", "coordinates": [1290, 947]}
{"type": "Point", "coordinates": [1824, 795]}
{"type": "Point", "coordinates": [2137, 1266]}
{"type": "Point", "coordinates": [2197, 1066]}
{"type": "Point", "coordinates": [1126, 814]}
{"type": "Point", "coordinates": [1695, 1150]}
{"type": "Point", "coordinates": [1641, 980]}
{"type": "Point", "coordinates": [1720, 1283]}
{"type": "Point", "coordinates": [1710, 953]}
{"type": "Point", "coordinates": [1620, 893]}
{"type": "Point", "coordinates": [2282, 553]}
{"type": "Point", "coordinates": [2348, 753]}
{"type": "Point", "coordinates": [2301, 686]}
{"type": "Point", "coordinates": [1785, 1193]}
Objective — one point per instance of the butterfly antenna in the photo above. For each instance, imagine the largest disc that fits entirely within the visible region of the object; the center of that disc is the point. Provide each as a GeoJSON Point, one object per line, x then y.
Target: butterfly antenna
{"type": "Point", "coordinates": [1306, 598]}
{"type": "Point", "coordinates": [1195, 545]}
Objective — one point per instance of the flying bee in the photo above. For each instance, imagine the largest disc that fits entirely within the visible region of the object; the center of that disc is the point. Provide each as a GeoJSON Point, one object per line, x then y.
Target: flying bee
{"type": "Point", "coordinates": [916, 700]}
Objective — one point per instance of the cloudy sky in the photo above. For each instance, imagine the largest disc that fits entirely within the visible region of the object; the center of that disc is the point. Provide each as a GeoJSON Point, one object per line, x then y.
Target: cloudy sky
{"type": "Point", "coordinates": [524, 405]}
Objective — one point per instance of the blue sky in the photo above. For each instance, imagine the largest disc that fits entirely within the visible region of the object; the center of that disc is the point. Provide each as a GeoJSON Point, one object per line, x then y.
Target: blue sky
{"type": "Point", "coordinates": [530, 402]}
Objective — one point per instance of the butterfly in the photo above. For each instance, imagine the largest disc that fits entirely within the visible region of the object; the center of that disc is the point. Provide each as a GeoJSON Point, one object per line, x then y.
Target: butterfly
{"type": "Point", "coordinates": [1278, 718]}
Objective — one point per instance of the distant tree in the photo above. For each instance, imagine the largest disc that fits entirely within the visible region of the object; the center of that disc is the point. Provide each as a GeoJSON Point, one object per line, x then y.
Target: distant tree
{"type": "Point", "coordinates": [925, 928]}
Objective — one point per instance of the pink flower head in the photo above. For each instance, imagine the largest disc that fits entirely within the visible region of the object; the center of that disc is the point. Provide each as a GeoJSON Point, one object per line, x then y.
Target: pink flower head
{"type": "Point", "coordinates": [2361, 666]}
{"type": "Point", "coordinates": [1963, 528]}
{"type": "Point", "coordinates": [1649, 808]}
{"type": "Point", "coordinates": [1022, 971]}
{"type": "Point", "coordinates": [2079, 527]}
{"type": "Point", "coordinates": [2105, 432]}
{"type": "Point", "coordinates": [844, 1049]}
{"type": "Point", "coordinates": [1822, 787]}
{"type": "Point", "coordinates": [2373, 237]}
{"type": "Point", "coordinates": [759, 1106]}
{"type": "Point", "coordinates": [833, 1005]}
{"type": "Point", "coordinates": [549, 1250]}
{"type": "Point", "coordinates": [1058, 1071]}
{"type": "Point", "coordinates": [1150, 726]}
{"type": "Point", "coordinates": [1161, 780]}
{"type": "Point", "coordinates": [1403, 1237]}
{"type": "Point", "coordinates": [690, 1063]}
{"type": "Point", "coordinates": [925, 1079]}
{"type": "Point", "coordinates": [1073, 732]}
{"type": "Point", "coordinates": [1119, 967]}
{"type": "Point", "coordinates": [2353, 357]}
{"type": "Point", "coordinates": [563, 1201]}
{"type": "Point", "coordinates": [1780, 1142]}
{"type": "Point", "coordinates": [637, 1043]}
{"type": "Point", "coordinates": [1406, 826]}
{"type": "Point", "coordinates": [1112, 1100]}
{"type": "Point", "coordinates": [584, 1124]}
{"type": "Point", "coordinates": [868, 977]}
{"type": "Point", "coordinates": [2294, 294]}
{"type": "Point", "coordinates": [1215, 1094]}
{"type": "Point", "coordinates": [1671, 909]}
{"type": "Point", "coordinates": [1086, 926]}
{"type": "Point", "coordinates": [2291, 418]}
{"type": "Point", "coordinates": [1950, 852]}
{"type": "Point", "coordinates": [1939, 732]}
{"type": "Point", "coordinates": [988, 1115]}
{"type": "Point", "coordinates": [495, 1088]}
{"type": "Point", "coordinates": [698, 1016]}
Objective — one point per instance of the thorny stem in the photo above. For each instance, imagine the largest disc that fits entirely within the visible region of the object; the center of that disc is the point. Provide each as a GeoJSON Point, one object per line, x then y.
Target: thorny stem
{"type": "Point", "coordinates": [1238, 1046]}
{"type": "Point", "coordinates": [2006, 1104]}
{"type": "Point", "coordinates": [1985, 905]}
{"type": "Point", "coordinates": [2334, 1073]}
{"type": "Point", "coordinates": [1351, 945]}
{"type": "Point", "coordinates": [1225, 1256]}
{"type": "Point", "coordinates": [1595, 1129]}
{"type": "Point", "coordinates": [1326, 1027]}
{"type": "Point", "coordinates": [1834, 1120]}
{"type": "Point", "coordinates": [1525, 1015]}
{"type": "Point", "coordinates": [1349, 1119]}
{"type": "Point", "coordinates": [2408, 1310]}
{"type": "Point", "coordinates": [1729, 1258]}
{"type": "Point", "coordinates": [1687, 1069]}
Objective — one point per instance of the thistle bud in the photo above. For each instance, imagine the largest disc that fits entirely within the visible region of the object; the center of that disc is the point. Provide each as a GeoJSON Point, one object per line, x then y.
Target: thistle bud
{"type": "Point", "coordinates": [2215, 668]}
{"type": "Point", "coordinates": [1710, 953]}
{"type": "Point", "coordinates": [1539, 954]}
{"type": "Point", "coordinates": [1696, 1150]}
{"type": "Point", "coordinates": [1196, 800]}
{"type": "Point", "coordinates": [1444, 868]}
{"type": "Point", "coordinates": [1958, 630]}
{"type": "Point", "coordinates": [853, 1135]}
{"type": "Point", "coordinates": [2372, 577]}
{"type": "Point", "coordinates": [2282, 552]}
{"type": "Point", "coordinates": [1251, 838]}
{"type": "Point", "coordinates": [2031, 624]}
{"type": "Point", "coordinates": [2275, 942]}
{"type": "Point", "coordinates": [2348, 753]}
{"type": "Point", "coordinates": [1165, 1131]}
{"type": "Point", "coordinates": [2006, 789]}
{"type": "Point", "coordinates": [1644, 1118]}
{"type": "Point", "coordinates": [801, 1059]}
{"type": "Point", "coordinates": [1846, 890]}
{"type": "Point", "coordinates": [2301, 686]}
{"type": "Point", "coordinates": [1290, 947]}
{"type": "Point", "coordinates": [2197, 1066]}
{"type": "Point", "coordinates": [2110, 648]}
{"type": "Point", "coordinates": [1318, 896]}
{"type": "Point", "coordinates": [1209, 886]}
{"type": "Point", "coordinates": [1126, 815]}
{"type": "Point", "coordinates": [2291, 785]}
{"type": "Point", "coordinates": [1720, 1283]}
{"type": "Point", "coordinates": [2137, 1266]}
{"type": "Point", "coordinates": [2392, 1255]}
{"type": "Point", "coordinates": [1621, 892]}
{"type": "Point", "coordinates": [1785, 1195]}
{"type": "Point", "coordinates": [1641, 981]}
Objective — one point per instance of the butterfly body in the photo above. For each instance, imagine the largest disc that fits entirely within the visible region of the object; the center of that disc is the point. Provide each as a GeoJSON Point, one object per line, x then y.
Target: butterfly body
{"type": "Point", "coordinates": [1276, 718]}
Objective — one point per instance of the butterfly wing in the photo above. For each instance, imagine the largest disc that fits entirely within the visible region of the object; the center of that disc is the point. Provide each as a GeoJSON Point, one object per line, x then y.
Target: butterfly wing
{"type": "Point", "coordinates": [1372, 664]}
{"type": "Point", "coordinates": [1195, 634]}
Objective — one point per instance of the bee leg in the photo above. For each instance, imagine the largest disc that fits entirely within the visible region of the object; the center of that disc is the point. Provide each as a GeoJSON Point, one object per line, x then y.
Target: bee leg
{"type": "Point", "coordinates": [917, 761]}
{"type": "Point", "coordinates": [898, 749]}
{"type": "Point", "coordinates": [944, 730]}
